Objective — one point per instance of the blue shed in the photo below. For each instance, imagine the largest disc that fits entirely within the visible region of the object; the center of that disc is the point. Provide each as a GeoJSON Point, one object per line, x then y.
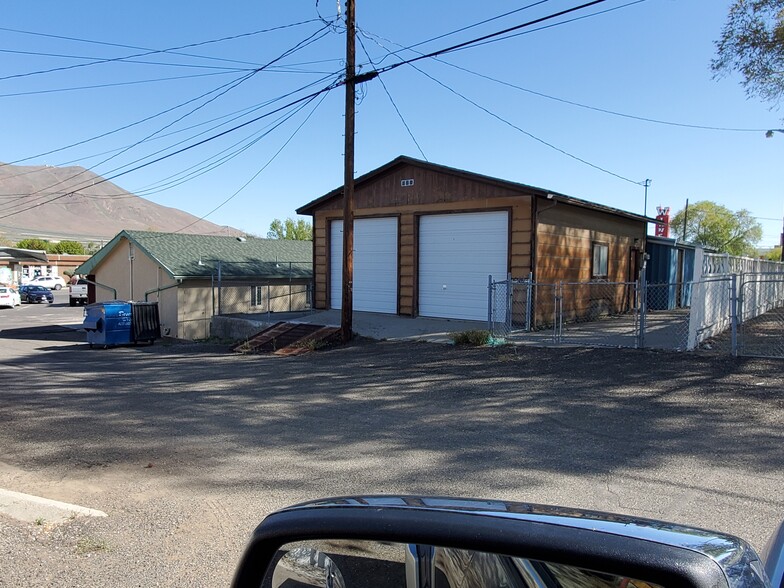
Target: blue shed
{"type": "Point", "coordinates": [669, 273]}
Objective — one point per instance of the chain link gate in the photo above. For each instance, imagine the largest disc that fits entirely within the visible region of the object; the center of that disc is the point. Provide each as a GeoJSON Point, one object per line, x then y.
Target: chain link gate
{"type": "Point", "coordinates": [509, 307]}
{"type": "Point", "coordinates": [760, 315]}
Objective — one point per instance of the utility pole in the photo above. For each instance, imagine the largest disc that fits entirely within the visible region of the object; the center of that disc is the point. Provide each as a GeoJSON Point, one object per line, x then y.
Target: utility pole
{"type": "Point", "coordinates": [347, 308]}
{"type": "Point", "coordinates": [647, 184]}
{"type": "Point", "coordinates": [781, 241]}
{"type": "Point", "coordinates": [685, 219]}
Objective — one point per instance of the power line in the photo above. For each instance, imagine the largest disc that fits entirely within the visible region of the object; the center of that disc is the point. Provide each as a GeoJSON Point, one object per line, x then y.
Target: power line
{"type": "Point", "coordinates": [463, 29]}
{"type": "Point", "coordinates": [115, 84]}
{"type": "Point", "coordinates": [527, 133]}
{"type": "Point", "coordinates": [222, 90]}
{"type": "Point", "coordinates": [189, 147]}
{"type": "Point", "coordinates": [122, 60]}
{"type": "Point", "coordinates": [171, 51]}
{"type": "Point", "coordinates": [265, 166]}
{"type": "Point", "coordinates": [476, 41]}
{"type": "Point", "coordinates": [386, 90]}
{"type": "Point", "coordinates": [145, 53]}
{"type": "Point", "coordinates": [304, 43]}
{"type": "Point", "coordinates": [218, 159]}
{"type": "Point", "coordinates": [563, 100]}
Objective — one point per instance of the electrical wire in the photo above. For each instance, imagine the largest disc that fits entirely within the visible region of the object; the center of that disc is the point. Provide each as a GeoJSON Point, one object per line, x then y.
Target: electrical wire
{"type": "Point", "coordinates": [527, 133]}
{"type": "Point", "coordinates": [122, 60]}
{"type": "Point", "coordinates": [265, 166]}
{"type": "Point", "coordinates": [304, 43]}
{"type": "Point", "coordinates": [189, 147]}
{"type": "Point", "coordinates": [483, 38]}
{"type": "Point", "coordinates": [145, 51]}
{"type": "Point", "coordinates": [222, 90]}
{"type": "Point", "coordinates": [148, 118]}
{"type": "Point", "coordinates": [463, 29]}
{"type": "Point", "coordinates": [563, 100]}
{"type": "Point", "coordinates": [114, 84]}
{"type": "Point", "coordinates": [389, 95]}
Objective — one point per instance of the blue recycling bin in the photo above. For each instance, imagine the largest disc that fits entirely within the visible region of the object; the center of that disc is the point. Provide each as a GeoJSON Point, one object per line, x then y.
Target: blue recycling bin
{"type": "Point", "coordinates": [108, 323]}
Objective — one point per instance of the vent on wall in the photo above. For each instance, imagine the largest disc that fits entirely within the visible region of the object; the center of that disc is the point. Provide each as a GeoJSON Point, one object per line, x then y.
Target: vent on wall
{"type": "Point", "coordinates": [406, 183]}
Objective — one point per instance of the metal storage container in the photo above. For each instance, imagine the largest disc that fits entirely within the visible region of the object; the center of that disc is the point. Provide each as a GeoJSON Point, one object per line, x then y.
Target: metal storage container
{"type": "Point", "coordinates": [108, 323]}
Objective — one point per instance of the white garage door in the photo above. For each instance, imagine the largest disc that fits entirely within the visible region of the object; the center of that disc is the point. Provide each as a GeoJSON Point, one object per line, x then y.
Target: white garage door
{"type": "Point", "coordinates": [375, 264]}
{"type": "Point", "coordinates": [456, 254]}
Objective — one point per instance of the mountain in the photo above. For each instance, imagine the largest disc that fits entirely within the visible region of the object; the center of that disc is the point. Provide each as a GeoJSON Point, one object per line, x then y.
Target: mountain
{"type": "Point", "coordinates": [59, 203]}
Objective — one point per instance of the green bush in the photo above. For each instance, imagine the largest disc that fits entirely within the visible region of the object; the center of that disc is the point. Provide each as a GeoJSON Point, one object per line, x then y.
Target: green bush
{"type": "Point", "coordinates": [475, 338]}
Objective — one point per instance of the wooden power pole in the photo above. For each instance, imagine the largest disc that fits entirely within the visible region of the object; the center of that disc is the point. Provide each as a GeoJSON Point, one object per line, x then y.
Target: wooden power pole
{"type": "Point", "coordinates": [347, 308]}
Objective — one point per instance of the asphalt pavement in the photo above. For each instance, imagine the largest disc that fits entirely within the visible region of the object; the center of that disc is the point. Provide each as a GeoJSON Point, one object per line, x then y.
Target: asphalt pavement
{"type": "Point", "coordinates": [186, 447]}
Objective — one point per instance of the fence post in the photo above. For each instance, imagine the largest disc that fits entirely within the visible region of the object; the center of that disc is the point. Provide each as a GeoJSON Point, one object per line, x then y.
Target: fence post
{"type": "Point", "coordinates": [509, 304]}
{"type": "Point", "coordinates": [220, 280]}
{"type": "Point", "coordinates": [529, 301]}
{"type": "Point", "coordinates": [697, 306]}
{"type": "Point", "coordinates": [642, 286]}
{"type": "Point", "coordinates": [490, 304]}
{"type": "Point", "coordinates": [558, 312]}
{"type": "Point", "coordinates": [734, 312]}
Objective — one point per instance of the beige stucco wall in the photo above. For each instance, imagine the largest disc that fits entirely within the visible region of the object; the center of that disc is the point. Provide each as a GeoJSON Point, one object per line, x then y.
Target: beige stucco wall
{"type": "Point", "coordinates": [194, 303]}
{"type": "Point", "coordinates": [115, 272]}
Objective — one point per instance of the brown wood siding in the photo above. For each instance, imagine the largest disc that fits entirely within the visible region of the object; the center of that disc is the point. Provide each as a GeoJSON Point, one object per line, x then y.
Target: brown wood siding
{"type": "Point", "coordinates": [432, 193]}
{"type": "Point", "coordinates": [519, 249]}
{"type": "Point", "coordinates": [565, 236]}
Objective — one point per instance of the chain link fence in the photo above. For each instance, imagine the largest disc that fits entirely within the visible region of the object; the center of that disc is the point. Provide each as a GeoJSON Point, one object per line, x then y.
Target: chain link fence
{"type": "Point", "coordinates": [761, 315]}
{"type": "Point", "coordinates": [734, 314]}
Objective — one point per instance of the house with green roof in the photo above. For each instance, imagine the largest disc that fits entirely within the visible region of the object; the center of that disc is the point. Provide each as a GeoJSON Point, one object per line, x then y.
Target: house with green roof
{"type": "Point", "coordinates": [195, 277]}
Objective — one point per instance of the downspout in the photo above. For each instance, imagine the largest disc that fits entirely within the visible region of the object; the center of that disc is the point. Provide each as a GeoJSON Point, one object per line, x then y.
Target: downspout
{"type": "Point", "coordinates": [154, 290]}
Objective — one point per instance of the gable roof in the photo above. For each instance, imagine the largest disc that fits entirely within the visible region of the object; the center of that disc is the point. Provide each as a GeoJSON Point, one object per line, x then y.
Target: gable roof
{"type": "Point", "coordinates": [405, 160]}
{"type": "Point", "coordinates": [185, 256]}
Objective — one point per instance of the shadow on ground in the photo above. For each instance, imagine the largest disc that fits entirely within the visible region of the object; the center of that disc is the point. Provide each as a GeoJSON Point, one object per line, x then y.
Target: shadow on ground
{"type": "Point", "coordinates": [499, 414]}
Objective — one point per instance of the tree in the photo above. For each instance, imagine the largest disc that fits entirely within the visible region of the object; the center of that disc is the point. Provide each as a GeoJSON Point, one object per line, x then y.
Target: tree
{"type": "Point", "coordinates": [299, 230]}
{"type": "Point", "coordinates": [68, 248]}
{"type": "Point", "coordinates": [717, 227]}
{"type": "Point", "coordinates": [37, 244]}
{"type": "Point", "coordinates": [752, 43]}
{"type": "Point", "coordinates": [774, 254]}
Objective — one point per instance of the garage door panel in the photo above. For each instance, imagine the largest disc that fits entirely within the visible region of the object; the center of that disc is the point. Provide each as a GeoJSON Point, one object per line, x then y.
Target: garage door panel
{"type": "Point", "coordinates": [375, 264]}
{"type": "Point", "coordinates": [457, 252]}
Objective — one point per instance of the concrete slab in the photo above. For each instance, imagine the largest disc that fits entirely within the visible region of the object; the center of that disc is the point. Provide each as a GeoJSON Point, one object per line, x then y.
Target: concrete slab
{"type": "Point", "coordinates": [396, 328]}
{"type": "Point", "coordinates": [35, 509]}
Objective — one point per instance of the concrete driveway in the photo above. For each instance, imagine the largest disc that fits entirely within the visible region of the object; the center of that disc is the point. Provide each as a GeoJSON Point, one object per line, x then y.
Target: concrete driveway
{"type": "Point", "coordinates": [186, 447]}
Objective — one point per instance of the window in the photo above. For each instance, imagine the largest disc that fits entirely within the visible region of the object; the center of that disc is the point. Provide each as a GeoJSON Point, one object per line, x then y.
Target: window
{"type": "Point", "coordinates": [258, 295]}
{"type": "Point", "coordinates": [599, 261]}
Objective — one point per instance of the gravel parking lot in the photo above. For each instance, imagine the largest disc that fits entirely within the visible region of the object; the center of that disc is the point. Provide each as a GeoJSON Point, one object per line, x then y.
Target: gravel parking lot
{"type": "Point", "coordinates": [186, 447]}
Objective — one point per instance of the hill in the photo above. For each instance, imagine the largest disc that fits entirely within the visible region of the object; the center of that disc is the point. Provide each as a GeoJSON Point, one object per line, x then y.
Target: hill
{"type": "Point", "coordinates": [47, 208]}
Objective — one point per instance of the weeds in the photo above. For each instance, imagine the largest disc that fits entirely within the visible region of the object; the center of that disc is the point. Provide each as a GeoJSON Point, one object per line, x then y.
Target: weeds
{"type": "Point", "coordinates": [474, 338]}
{"type": "Point", "coordinates": [87, 545]}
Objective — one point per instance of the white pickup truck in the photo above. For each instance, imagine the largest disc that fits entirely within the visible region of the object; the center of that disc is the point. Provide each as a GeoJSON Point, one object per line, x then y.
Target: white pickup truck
{"type": "Point", "coordinates": [78, 293]}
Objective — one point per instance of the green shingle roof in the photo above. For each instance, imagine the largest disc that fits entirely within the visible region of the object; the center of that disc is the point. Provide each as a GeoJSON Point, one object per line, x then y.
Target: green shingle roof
{"type": "Point", "coordinates": [198, 256]}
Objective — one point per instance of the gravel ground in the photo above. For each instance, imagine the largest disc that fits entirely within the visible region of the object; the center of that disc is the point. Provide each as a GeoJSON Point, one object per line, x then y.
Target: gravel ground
{"type": "Point", "coordinates": [187, 447]}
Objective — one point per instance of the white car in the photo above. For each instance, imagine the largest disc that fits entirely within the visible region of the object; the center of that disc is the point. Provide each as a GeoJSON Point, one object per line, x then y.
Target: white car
{"type": "Point", "coordinates": [9, 297]}
{"type": "Point", "coordinates": [51, 282]}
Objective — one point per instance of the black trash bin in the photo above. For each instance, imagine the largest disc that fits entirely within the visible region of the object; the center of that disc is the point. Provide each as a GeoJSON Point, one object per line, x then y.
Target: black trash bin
{"type": "Point", "coordinates": [145, 322]}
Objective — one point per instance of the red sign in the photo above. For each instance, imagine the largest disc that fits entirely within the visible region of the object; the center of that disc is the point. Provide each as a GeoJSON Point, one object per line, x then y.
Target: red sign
{"type": "Point", "coordinates": [663, 228]}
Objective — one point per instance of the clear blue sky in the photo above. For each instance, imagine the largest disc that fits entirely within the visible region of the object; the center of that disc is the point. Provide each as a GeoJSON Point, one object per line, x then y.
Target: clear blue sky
{"type": "Point", "coordinates": [649, 60]}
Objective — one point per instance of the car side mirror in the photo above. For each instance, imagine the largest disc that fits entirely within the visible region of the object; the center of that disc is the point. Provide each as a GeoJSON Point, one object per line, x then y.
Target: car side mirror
{"type": "Point", "coordinates": [423, 542]}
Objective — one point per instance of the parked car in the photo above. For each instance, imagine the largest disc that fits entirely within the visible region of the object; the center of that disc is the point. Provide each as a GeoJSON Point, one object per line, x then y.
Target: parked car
{"type": "Point", "coordinates": [9, 297]}
{"type": "Point", "coordinates": [51, 282]}
{"type": "Point", "coordinates": [32, 293]}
